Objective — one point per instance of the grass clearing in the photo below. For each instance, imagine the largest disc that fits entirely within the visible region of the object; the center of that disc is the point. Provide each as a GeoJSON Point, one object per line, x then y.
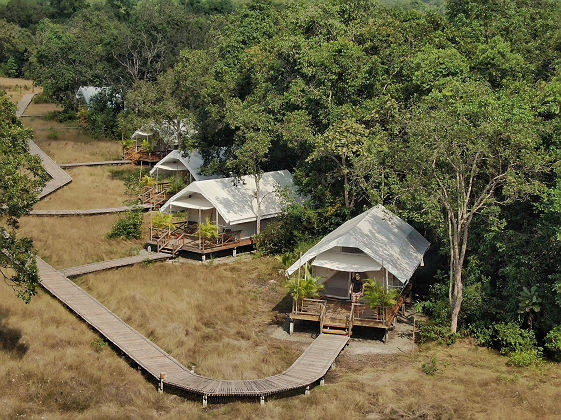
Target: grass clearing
{"type": "Point", "coordinates": [16, 88]}
{"type": "Point", "coordinates": [91, 187]}
{"type": "Point", "coordinates": [75, 240]}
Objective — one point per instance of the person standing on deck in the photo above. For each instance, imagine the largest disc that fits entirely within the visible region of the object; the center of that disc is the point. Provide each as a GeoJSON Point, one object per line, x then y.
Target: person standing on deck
{"type": "Point", "coordinates": [357, 287]}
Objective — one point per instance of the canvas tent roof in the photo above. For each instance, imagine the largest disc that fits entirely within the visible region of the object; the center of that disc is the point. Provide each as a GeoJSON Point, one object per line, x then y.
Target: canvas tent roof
{"type": "Point", "coordinates": [236, 202]}
{"type": "Point", "coordinates": [346, 262]}
{"type": "Point", "coordinates": [176, 160]}
{"type": "Point", "coordinates": [381, 235]}
{"type": "Point", "coordinates": [88, 92]}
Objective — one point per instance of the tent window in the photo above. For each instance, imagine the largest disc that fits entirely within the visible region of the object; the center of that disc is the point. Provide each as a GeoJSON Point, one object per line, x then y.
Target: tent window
{"type": "Point", "coordinates": [350, 250]}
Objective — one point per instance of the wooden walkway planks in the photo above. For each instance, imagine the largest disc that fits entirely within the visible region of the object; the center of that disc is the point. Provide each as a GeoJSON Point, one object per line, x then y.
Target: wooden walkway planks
{"type": "Point", "coordinates": [109, 264]}
{"type": "Point", "coordinates": [88, 212]}
{"type": "Point", "coordinates": [105, 162]}
{"type": "Point", "coordinates": [59, 178]}
{"type": "Point", "coordinates": [311, 366]}
{"type": "Point", "coordinates": [24, 103]}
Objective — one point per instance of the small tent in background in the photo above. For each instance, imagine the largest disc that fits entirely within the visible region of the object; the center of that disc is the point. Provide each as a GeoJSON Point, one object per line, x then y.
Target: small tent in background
{"type": "Point", "coordinates": [186, 164]}
{"type": "Point", "coordinates": [231, 204]}
{"type": "Point", "coordinates": [86, 94]}
{"type": "Point", "coordinates": [377, 244]}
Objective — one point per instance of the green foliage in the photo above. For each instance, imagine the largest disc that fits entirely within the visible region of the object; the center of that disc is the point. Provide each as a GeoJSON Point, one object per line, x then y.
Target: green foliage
{"type": "Point", "coordinates": [162, 220]}
{"type": "Point", "coordinates": [208, 231]}
{"type": "Point", "coordinates": [52, 134]}
{"type": "Point", "coordinates": [22, 177]}
{"type": "Point", "coordinates": [375, 295]}
{"type": "Point", "coordinates": [529, 303]}
{"type": "Point", "coordinates": [430, 331]}
{"type": "Point", "coordinates": [509, 338]}
{"type": "Point", "coordinates": [98, 344]}
{"type": "Point", "coordinates": [148, 181]}
{"type": "Point", "coordinates": [430, 367]}
{"type": "Point", "coordinates": [526, 357]}
{"type": "Point", "coordinates": [553, 343]}
{"type": "Point", "coordinates": [304, 287]}
{"type": "Point", "coordinates": [128, 226]}
{"type": "Point", "coordinates": [176, 184]}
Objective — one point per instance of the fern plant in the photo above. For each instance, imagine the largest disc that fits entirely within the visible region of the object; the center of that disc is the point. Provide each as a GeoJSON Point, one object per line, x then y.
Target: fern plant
{"type": "Point", "coordinates": [375, 295]}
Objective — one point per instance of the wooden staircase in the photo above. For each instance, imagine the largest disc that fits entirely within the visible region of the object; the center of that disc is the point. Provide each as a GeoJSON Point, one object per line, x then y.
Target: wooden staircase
{"type": "Point", "coordinates": [336, 320]}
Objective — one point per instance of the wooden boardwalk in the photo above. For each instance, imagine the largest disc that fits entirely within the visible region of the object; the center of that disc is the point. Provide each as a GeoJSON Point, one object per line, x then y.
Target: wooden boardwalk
{"type": "Point", "coordinates": [59, 178]}
{"type": "Point", "coordinates": [116, 263]}
{"type": "Point", "coordinates": [24, 103]}
{"type": "Point", "coordinates": [88, 212]}
{"type": "Point", "coordinates": [100, 163]}
{"type": "Point", "coordinates": [310, 367]}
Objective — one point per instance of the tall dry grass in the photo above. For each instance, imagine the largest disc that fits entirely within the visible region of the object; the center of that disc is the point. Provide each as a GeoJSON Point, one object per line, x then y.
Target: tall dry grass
{"type": "Point", "coordinates": [70, 144]}
{"type": "Point", "coordinates": [91, 187]}
{"type": "Point", "coordinates": [212, 316]}
{"type": "Point", "coordinates": [76, 240]}
{"type": "Point", "coordinates": [16, 88]}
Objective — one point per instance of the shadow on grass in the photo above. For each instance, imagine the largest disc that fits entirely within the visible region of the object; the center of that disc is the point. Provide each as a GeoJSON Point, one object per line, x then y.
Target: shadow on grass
{"type": "Point", "coordinates": [10, 338]}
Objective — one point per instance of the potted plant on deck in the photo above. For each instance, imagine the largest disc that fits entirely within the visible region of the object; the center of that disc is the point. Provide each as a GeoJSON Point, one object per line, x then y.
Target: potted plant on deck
{"type": "Point", "coordinates": [303, 286]}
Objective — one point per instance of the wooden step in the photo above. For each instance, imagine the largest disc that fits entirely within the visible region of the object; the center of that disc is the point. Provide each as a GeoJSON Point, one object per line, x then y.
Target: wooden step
{"type": "Point", "coordinates": [338, 332]}
{"type": "Point", "coordinates": [338, 325]}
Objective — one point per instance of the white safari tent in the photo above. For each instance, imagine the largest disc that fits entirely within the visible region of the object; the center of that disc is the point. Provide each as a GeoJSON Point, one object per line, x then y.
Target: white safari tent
{"type": "Point", "coordinates": [87, 93]}
{"type": "Point", "coordinates": [178, 162]}
{"type": "Point", "coordinates": [232, 205]}
{"type": "Point", "coordinates": [377, 244]}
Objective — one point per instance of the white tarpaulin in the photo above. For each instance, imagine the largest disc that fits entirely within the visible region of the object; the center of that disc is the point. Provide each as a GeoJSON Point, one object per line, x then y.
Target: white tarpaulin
{"type": "Point", "coordinates": [195, 203]}
{"type": "Point", "coordinates": [177, 160]}
{"type": "Point", "coordinates": [235, 199]}
{"type": "Point", "coordinates": [346, 262]}
{"type": "Point", "coordinates": [381, 235]}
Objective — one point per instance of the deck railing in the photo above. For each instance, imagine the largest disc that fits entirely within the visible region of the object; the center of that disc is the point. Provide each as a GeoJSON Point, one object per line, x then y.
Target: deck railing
{"type": "Point", "coordinates": [364, 312]}
{"type": "Point", "coordinates": [309, 306]}
{"type": "Point", "coordinates": [184, 235]}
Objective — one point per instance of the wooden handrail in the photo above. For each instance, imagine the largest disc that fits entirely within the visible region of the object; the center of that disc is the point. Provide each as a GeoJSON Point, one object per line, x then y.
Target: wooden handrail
{"type": "Point", "coordinates": [322, 316]}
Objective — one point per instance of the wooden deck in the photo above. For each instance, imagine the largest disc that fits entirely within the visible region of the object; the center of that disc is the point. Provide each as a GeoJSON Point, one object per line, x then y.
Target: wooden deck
{"type": "Point", "coordinates": [310, 367]}
{"type": "Point", "coordinates": [100, 163]}
{"type": "Point", "coordinates": [109, 264]}
{"type": "Point", "coordinates": [88, 212]}
{"type": "Point", "coordinates": [59, 178]}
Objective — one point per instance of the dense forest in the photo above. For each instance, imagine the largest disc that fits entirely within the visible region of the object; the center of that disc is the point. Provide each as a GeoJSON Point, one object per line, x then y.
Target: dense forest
{"type": "Point", "coordinates": [445, 112]}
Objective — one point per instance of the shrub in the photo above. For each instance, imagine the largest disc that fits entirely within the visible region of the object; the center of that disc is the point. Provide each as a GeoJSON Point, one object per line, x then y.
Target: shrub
{"type": "Point", "coordinates": [482, 333]}
{"type": "Point", "coordinates": [526, 357]}
{"type": "Point", "coordinates": [148, 181]}
{"type": "Point", "coordinates": [430, 367]}
{"type": "Point", "coordinates": [162, 221]}
{"type": "Point", "coordinates": [509, 338]}
{"type": "Point", "coordinates": [52, 134]}
{"type": "Point", "coordinates": [553, 343]}
{"type": "Point", "coordinates": [430, 331]}
{"type": "Point", "coordinates": [61, 116]}
{"type": "Point", "coordinates": [176, 185]}
{"type": "Point", "coordinates": [129, 226]}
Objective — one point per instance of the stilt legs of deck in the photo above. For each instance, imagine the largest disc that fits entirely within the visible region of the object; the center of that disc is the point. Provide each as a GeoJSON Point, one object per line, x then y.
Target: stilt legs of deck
{"type": "Point", "coordinates": [307, 391]}
{"type": "Point", "coordinates": [291, 327]}
{"type": "Point", "coordinates": [262, 400]}
{"type": "Point", "coordinates": [205, 401]}
{"type": "Point", "coordinates": [322, 382]}
{"type": "Point", "coordinates": [161, 384]}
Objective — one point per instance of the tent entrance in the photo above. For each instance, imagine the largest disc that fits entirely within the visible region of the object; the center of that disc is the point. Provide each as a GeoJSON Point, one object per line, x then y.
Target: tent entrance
{"type": "Point", "coordinates": [337, 286]}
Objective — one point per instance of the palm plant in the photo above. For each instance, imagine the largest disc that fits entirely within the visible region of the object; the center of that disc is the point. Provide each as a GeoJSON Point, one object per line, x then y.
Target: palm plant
{"type": "Point", "coordinates": [208, 231]}
{"type": "Point", "coordinates": [375, 295]}
{"type": "Point", "coordinates": [529, 303]}
{"type": "Point", "coordinates": [304, 287]}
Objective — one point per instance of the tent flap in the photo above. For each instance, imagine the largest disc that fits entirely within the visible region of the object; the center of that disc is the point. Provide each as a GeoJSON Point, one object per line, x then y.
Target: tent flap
{"type": "Point", "coordinates": [346, 262]}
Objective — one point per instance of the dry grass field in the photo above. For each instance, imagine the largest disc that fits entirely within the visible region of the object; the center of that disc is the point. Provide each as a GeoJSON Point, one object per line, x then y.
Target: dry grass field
{"type": "Point", "coordinates": [219, 317]}
{"type": "Point", "coordinates": [16, 88]}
